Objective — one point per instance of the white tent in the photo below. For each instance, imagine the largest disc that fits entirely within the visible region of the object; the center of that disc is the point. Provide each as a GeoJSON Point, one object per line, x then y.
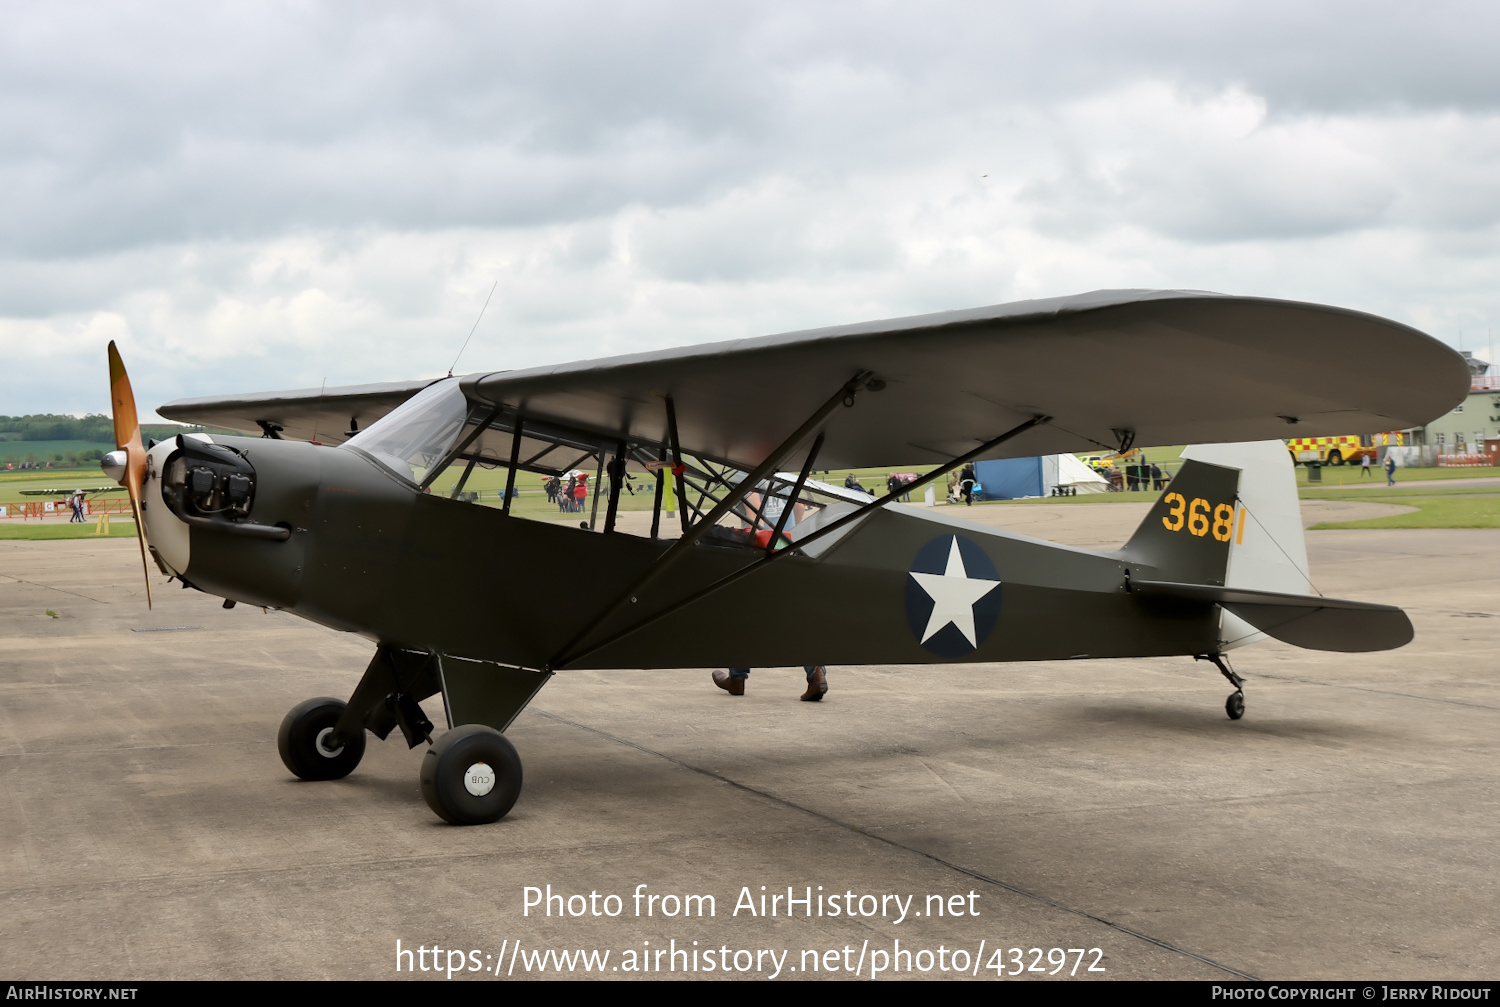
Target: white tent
{"type": "Point", "coordinates": [1067, 470]}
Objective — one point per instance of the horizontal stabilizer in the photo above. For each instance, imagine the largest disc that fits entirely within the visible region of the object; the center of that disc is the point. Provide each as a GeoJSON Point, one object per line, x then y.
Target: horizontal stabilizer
{"type": "Point", "coordinates": [1302, 620]}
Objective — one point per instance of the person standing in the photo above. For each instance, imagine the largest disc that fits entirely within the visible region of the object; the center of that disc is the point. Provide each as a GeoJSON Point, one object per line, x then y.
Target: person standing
{"type": "Point", "coordinates": [1156, 477]}
{"type": "Point", "coordinates": [580, 493]}
{"type": "Point", "coordinates": [1364, 466]}
{"type": "Point", "coordinates": [1390, 469]}
{"type": "Point", "coordinates": [967, 481]}
{"type": "Point", "coordinates": [733, 682]}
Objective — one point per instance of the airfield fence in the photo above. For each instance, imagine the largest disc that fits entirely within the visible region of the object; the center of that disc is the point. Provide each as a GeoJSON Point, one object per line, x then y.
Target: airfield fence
{"type": "Point", "coordinates": [26, 510]}
{"type": "Point", "coordinates": [1465, 461]}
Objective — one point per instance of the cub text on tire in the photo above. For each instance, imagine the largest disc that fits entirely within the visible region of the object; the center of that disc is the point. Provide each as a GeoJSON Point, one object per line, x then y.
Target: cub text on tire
{"type": "Point", "coordinates": [471, 776]}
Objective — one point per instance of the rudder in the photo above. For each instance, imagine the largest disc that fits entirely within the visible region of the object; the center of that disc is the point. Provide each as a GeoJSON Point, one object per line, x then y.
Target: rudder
{"type": "Point", "coordinates": [1269, 552]}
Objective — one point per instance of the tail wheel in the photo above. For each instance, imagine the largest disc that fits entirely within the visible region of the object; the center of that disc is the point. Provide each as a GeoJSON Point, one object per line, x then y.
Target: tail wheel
{"type": "Point", "coordinates": [302, 741]}
{"type": "Point", "coordinates": [471, 776]}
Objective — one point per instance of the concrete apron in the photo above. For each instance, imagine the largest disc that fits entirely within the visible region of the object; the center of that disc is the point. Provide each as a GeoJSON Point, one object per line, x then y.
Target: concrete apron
{"type": "Point", "coordinates": [1345, 828]}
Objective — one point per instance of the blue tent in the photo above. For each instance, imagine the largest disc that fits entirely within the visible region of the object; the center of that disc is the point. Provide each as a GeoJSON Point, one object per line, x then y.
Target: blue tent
{"type": "Point", "coordinates": [1009, 478]}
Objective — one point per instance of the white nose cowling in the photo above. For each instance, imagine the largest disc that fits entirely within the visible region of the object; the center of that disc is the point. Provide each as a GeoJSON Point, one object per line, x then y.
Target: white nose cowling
{"type": "Point", "coordinates": [114, 464]}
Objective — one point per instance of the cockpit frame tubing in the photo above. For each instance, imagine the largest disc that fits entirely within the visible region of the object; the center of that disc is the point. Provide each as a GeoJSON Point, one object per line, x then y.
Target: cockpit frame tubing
{"type": "Point", "coordinates": [661, 487]}
{"type": "Point", "coordinates": [677, 462]}
{"type": "Point", "coordinates": [598, 478]}
{"type": "Point", "coordinates": [699, 594]}
{"type": "Point", "coordinates": [515, 456]}
{"type": "Point", "coordinates": [458, 449]}
{"type": "Point", "coordinates": [616, 483]}
{"type": "Point", "coordinates": [786, 510]}
{"type": "Point", "coordinates": [678, 549]}
{"type": "Point", "coordinates": [463, 480]}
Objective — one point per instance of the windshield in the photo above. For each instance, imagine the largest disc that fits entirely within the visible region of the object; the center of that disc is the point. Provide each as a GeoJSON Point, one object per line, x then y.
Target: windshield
{"type": "Point", "coordinates": [418, 433]}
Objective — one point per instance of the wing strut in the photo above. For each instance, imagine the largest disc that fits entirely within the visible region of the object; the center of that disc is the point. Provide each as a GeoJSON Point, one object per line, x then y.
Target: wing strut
{"type": "Point", "coordinates": [677, 467]}
{"type": "Point", "coordinates": [791, 502]}
{"type": "Point", "coordinates": [568, 655]}
{"type": "Point", "coordinates": [844, 396]}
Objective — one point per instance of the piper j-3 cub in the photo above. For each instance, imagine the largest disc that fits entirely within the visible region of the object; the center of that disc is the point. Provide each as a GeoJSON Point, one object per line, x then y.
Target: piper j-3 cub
{"type": "Point", "coordinates": [350, 537]}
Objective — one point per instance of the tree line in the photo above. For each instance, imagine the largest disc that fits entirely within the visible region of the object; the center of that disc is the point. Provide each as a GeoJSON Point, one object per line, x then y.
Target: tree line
{"type": "Point", "coordinates": [93, 427]}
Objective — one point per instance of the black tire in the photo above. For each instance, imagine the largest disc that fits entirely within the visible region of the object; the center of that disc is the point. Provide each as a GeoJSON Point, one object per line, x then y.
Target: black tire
{"type": "Point", "coordinates": [445, 771]}
{"type": "Point", "coordinates": [1294, 458]}
{"type": "Point", "coordinates": [1235, 705]}
{"type": "Point", "coordinates": [1335, 458]}
{"type": "Point", "coordinates": [297, 741]}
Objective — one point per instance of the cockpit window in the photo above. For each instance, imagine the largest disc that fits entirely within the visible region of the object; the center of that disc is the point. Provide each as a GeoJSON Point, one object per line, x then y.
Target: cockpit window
{"type": "Point", "coordinates": [418, 433]}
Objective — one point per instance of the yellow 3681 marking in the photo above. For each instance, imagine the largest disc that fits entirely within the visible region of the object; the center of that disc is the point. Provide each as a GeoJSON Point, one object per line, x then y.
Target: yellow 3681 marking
{"type": "Point", "coordinates": [1198, 516]}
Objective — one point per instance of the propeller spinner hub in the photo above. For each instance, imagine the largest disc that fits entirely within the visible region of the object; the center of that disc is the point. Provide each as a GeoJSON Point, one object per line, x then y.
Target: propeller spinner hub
{"type": "Point", "coordinates": [114, 465]}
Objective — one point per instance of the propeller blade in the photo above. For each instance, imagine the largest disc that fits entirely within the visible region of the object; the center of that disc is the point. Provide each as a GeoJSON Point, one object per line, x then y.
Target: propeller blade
{"type": "Point", "coordinates": [128, 440]}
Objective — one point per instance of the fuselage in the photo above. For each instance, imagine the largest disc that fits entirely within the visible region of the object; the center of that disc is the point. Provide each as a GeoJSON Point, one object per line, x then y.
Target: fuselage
{"type": "Point", "coordinates": [369, 553]}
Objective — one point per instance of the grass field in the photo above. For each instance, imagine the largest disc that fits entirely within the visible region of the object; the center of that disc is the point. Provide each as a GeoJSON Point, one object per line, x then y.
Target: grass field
{"type": "Point", "coordinates": [12, 483]}
{"type": "Point", "coordinates": [37, 530]}
{"type": "Point", "coordinates": [1472, 510]}
{"type": "Point", "coordinates": [1458, 506]}
{"type": "Point", "coordinates": [16, 451]}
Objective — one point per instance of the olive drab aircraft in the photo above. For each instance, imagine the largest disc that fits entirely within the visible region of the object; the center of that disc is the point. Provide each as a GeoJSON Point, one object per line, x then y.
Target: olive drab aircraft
{"type": "Point", "coordinates": [324, 510]}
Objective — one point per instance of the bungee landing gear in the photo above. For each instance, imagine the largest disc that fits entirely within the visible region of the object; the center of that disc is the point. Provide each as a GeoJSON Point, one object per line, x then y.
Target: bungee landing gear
{"type": "Point", "coordinates": [1235, 704]}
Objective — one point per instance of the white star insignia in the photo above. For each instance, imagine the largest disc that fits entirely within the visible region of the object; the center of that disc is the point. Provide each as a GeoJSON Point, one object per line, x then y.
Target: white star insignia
{"type": "Point", "coordinates": [953, 593]}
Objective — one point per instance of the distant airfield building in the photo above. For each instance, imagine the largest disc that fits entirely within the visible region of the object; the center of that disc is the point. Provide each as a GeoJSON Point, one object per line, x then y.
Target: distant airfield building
{"type": "Point", "coordinates": [1472, 426]}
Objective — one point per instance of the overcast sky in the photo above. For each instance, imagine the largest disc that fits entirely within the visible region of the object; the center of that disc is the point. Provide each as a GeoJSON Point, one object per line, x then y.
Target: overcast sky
{"type": "Point", "coordinates": [266, 195]}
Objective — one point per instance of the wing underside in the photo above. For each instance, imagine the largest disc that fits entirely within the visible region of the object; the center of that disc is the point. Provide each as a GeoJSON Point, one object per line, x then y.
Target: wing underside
{"type": "Point", "coordinates": [1106, 369]}
{"type": "Point", "coordinates": [326, 415]}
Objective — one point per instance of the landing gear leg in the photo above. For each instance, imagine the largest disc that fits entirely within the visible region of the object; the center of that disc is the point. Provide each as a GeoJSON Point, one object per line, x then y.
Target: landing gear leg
{"type": "Point", "coordinates": [1235, 704]}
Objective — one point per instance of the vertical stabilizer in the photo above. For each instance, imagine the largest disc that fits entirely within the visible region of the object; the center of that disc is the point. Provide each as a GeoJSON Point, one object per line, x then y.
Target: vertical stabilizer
{"type": "Point", "coordinates": [1187, 534]}
{"type": "Point", "coordinates": [1268, 553]}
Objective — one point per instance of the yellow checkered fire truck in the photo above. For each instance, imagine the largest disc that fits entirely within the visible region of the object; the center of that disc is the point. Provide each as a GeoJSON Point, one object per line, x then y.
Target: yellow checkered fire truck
{"type": "Point", "coordinates": [1341, 450]}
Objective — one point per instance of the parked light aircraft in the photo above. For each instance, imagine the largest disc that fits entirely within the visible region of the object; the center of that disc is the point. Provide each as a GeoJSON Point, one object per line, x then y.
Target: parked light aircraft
{"type": "Point", "coordinates": [83, 491]}
{"type": "Point", "coordinates": [350, 537]}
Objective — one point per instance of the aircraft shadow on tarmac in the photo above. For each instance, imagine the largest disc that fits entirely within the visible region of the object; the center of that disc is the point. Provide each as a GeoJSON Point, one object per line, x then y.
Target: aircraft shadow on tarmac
{"type": "Point", "coordinates": [1327, 733]}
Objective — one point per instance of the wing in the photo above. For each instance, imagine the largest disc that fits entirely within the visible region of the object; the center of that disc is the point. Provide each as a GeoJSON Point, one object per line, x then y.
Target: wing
{"type": "Point", "coordinates": [1109, 368]}
{"type": "Point", "coordinates": [1152, 367]}
{"type": "Point", "coordinates": [311, 414]}
{"type": "Point", "coordinates": [69, 491]}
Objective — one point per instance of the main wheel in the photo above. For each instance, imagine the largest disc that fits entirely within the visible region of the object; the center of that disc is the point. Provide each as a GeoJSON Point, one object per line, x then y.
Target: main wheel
{"type": "Point", "coordinates": [300, 741]}
{"type": "Point", "coordinates": [1235, 705]}
{"type": "Point", "coordinates": [471, 776]}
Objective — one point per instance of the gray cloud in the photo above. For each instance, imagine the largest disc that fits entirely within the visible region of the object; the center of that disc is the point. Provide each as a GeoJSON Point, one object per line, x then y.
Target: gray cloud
{"type": "Point", "coordinates": [262, 195]}
{"type": "Point", "coordinates": [172, 122]}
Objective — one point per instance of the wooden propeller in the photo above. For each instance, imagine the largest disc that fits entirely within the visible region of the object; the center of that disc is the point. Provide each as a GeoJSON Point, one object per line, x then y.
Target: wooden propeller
{"type": "Point", "coordinates": [128, 440]}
